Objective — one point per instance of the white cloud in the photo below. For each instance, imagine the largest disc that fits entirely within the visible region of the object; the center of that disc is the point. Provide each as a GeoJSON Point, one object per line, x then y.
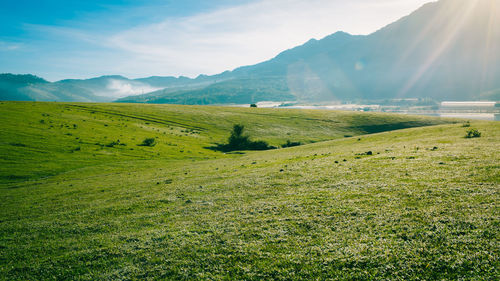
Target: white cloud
{"type": "Point", "coordinates": [206, 43]}
{"type": "Point", "coordinates": [120, 89]}
{"type": "Point", "coordinates": [227, 38]}
{"type": "Point", "coordinates": [8, 46]}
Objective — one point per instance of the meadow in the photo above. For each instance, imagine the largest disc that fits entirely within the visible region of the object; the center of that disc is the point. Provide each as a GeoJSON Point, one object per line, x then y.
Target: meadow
{"type": "Point", "coordinates": [369, 196]}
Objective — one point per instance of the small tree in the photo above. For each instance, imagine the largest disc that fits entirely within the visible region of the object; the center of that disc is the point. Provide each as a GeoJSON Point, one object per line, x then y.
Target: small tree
{"type": "Point", "coordinates": [253, 105]}
{"type": "Point", "coordinates": [237, 140]}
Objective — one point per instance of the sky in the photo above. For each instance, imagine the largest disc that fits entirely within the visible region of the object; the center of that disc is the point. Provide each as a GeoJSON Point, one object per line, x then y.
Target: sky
{"type": "Point", "coordinates": [60, 39]}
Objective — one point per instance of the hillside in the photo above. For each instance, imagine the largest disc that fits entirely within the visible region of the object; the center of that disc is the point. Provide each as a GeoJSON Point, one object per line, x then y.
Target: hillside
{"type": "Point", "coordinates": [400, 205]}
{"type": "Point", "coordinates": [32, 88]}
{"type": "Point", "coordinates": [45, 139]}
{"type": "Point", "coordinates": [232, 91]}
{"type": "Point", "coordinates": [100, 89]}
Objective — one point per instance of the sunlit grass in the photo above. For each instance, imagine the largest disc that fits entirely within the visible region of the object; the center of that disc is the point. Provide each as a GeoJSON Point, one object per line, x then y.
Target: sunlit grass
{"type": "Point", "coordinates": [422, 205]}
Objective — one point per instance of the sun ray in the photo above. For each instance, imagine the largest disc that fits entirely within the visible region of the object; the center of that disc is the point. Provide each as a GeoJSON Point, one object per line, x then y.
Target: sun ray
{"type": "Point", "coordinates": [425, 32]}
{"type": "Point", "coordinates": [453, 28]}
{"type": "Point", "coordinates": [493, 24]}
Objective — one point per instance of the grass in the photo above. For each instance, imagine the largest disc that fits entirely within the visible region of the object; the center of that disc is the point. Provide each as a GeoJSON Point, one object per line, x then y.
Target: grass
{"type": "Point", "coordinates": [45, 139]}
{"type": "Point", "coordinates": [422, 206]}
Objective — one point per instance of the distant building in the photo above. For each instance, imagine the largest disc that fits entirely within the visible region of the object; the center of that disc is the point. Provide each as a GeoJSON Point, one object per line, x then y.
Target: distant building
{"type": "Point", "coordinates": [465, 105]}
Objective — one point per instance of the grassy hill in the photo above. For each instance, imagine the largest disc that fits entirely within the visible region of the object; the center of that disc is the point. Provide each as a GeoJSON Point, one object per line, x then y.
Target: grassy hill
{"type": "Point", "coordinates": [45, 139]}
{"type": "Point", "coordinates": [419, 202]}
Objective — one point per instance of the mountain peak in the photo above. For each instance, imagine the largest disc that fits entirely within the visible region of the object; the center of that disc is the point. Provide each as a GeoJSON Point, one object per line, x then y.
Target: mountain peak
{"type": "Point", "coordinates": [21, 78]}
{"type": "Point", "coordinates": [338, 34]}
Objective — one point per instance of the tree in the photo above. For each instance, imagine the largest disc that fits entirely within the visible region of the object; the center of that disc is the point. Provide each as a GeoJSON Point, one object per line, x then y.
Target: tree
{"type": "Point", "coordinates": [239, 141]}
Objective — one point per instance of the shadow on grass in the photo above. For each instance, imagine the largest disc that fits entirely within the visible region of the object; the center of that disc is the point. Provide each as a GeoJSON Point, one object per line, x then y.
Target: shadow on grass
{"type": "Point", "coordinates": [250, 146]}
{"type": "Point", "coordinates": [237, 141]}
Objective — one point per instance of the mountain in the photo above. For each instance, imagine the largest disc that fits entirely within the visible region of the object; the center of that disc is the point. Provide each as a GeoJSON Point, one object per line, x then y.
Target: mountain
{"type": "Point", "coordinates": [100, 89]}
{"type": "Point", "coordinates": [239, 90]}
{"type": "Point", "coordinates": [444, 50]}
{"type": "Point", "coordinates": [32, 88]}
{"type": "Point", "coordinates": [11, 85]}
{"type": "Point", "coordinates": [110, 87]}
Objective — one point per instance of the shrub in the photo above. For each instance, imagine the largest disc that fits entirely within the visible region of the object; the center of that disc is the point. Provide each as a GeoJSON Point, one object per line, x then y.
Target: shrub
{"type": "Point", "coordinates": [473, 133]}
{"type": "Point", "coordinates": [238, 141]}
{"type": "Point", "coordinates": [258, 145]}
{"type": "Point", "coordinates": [291, 144]}
{"type": "Point", "coordinates": [466, 124]}
{"type": "Point", "coordinates": [113, 143]}
{"type": "Point", "coordinates": [253, 105]}
{"type": "Point", "coordinates": [148, 142]}
{"type": "Point", "coordinates": [18, 144]}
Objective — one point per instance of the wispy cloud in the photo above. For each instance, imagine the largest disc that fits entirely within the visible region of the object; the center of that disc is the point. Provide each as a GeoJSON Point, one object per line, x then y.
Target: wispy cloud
{"type": "Point", "coordinates": [207, 42]}
{"type": "Point", "coordinates": [9, 46]}
{"type": "Point", "coordinates": [120, 89]}
{"type": "Point", "coordinates": [246, 34]}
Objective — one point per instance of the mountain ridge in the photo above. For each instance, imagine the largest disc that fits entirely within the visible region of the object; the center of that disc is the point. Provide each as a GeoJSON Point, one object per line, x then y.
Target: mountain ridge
{"type": "Point", "coordinates": [443, 50]}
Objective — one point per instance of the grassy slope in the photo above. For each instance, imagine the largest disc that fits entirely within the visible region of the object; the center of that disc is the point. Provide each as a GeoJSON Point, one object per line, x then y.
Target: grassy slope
{"type": "Point", "coordinates": [408, 210]}
{"type": "Point", "coordinates": [44, 139]}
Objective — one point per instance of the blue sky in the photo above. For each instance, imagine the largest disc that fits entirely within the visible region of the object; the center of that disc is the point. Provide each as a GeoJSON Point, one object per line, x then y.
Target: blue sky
{"type": "Point", "coordinates": [85, 38]}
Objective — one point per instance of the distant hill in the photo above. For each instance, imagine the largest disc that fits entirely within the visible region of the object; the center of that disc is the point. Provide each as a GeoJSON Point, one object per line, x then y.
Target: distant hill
{"type": "Point", "coordinates": [100, 89]}
{"type": "Point", "coordinates": [32, 88]}
{"type": "Point", "coordinates": [242, 90]}
{"type": "Point", "coordinates": [446, 50]}
{"type": "Point", "coordinates": [11, 86]}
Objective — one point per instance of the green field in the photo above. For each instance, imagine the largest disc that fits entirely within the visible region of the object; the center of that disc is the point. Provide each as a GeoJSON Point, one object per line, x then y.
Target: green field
{"type": "Point", "coordinates": [370, 197]}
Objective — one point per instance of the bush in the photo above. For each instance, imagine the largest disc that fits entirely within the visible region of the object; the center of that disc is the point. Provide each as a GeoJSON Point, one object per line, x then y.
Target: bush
{"type": "Point", "coordinates": [253, 105]}
{"type": "Point", "coordinates": [466, 124]}
{"type": "Point", "coordinates": [258, 145]}
{"type": "Point", "coordinates": [113, 143]}
{"type": "Point", "coordinates": [473, 133]}
{"type": "Point", "coordinates": [291, 144]}
{"type": "Point", "coordinates": [18, 144]}
{"type": "Point", "coordinates": [148, 142]}
{"type": "Point", "coordinates": [238, 141]}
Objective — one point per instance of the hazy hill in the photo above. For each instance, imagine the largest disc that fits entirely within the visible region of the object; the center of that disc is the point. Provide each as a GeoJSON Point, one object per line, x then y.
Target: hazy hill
{"type": "Point", "coordinates": [99, 89]}
{"type": "Point", "coordinates": [11, 85]}
{"type": "Point", "coordinates": [32, 88]}
{"type": "Point", "coordinates": [237, 90]}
